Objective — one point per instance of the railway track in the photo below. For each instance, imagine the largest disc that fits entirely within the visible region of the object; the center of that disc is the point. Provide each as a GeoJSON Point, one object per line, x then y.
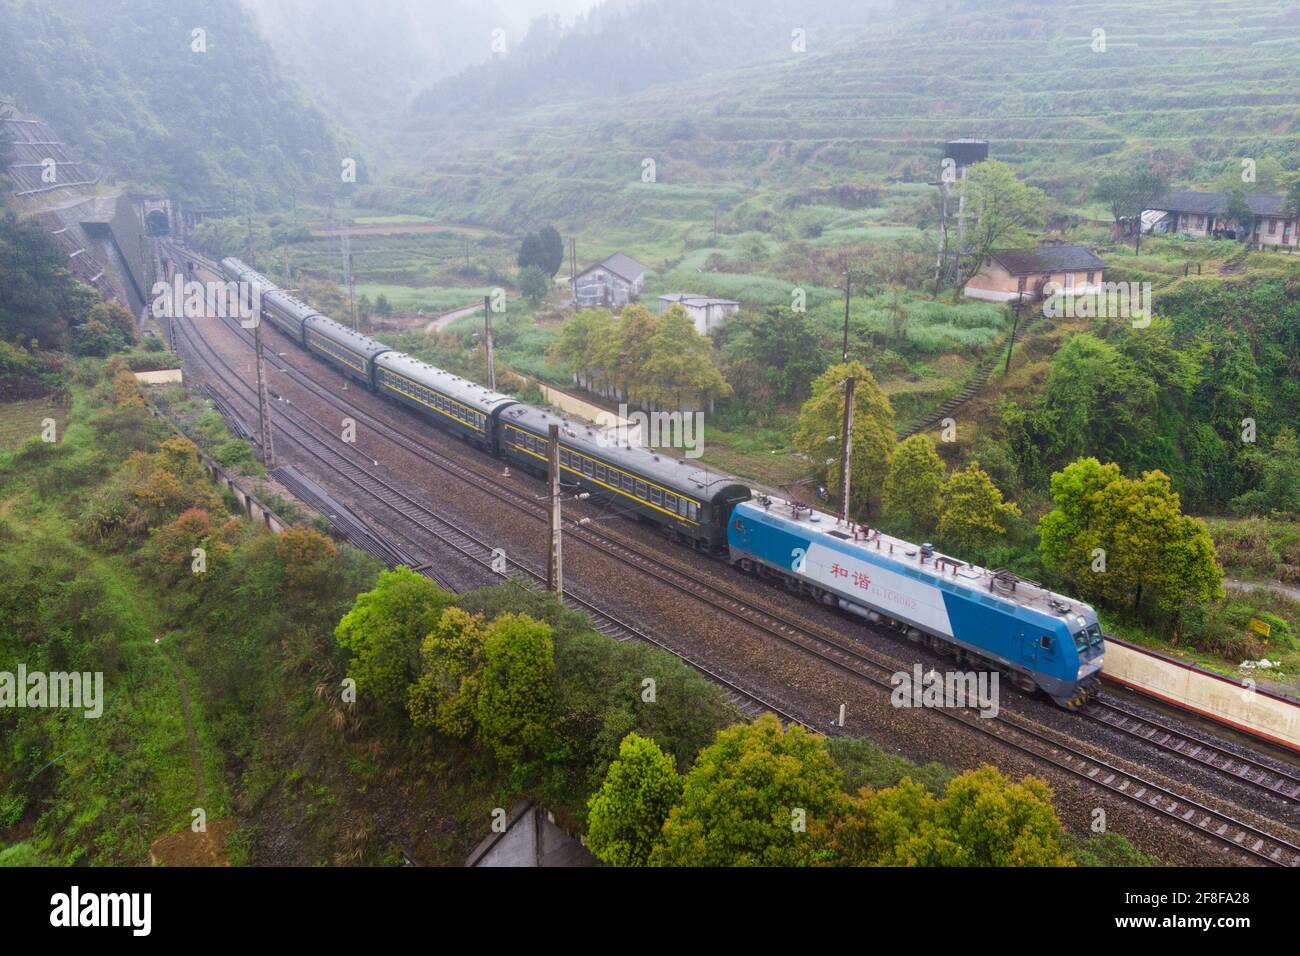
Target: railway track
{"type": "Point", "coordinates": [465, 544]}
{"type": "Point", "coordinates": [1016, 733]}
{"type": "Point", "coordinates": [1188, 745]}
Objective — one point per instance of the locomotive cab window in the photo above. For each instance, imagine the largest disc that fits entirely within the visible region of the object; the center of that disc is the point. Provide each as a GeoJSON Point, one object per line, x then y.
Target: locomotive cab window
{"type": "Point", "coordinates": [1045, 642]}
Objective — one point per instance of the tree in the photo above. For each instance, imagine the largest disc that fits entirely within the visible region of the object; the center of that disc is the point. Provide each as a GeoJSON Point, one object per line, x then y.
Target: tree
{"type": "Point", "coordinates": [1278, 487]}
{"type": "Point", "coordinates": [748, 798]}
{"type": "Point", "coordinates": [1130, 193]}
{"type": "Point", "coordinates": [626, 815]}
{"type": "Point", "coordinates": [903, 829]}
{"type": "Point", "coordinates": [450, 658]}
{"type": "Point", "coordinates": [587, 345]}
{"type": "Point", "coordinates": [821, 420]}
{"type": "Point", "coordinates": [307, 556]}
{"type": "Point", "coordinates": [914, 485]}
{"type": "Point", "coordinates": [680, 365]}
{"type": "Point", "coordinates": [114, 317]}
{"type": "Point", "coordinates": [995, 821]}
{"type": "Point", "coordinates": [972, 513]}
{"type": "Point", "coordinates": [550, 251]}
{"type": "Point", "coordinates": [1238, 210]}
{"type": "Point", "coordinates": [1001, 211]}
{"type": "Point", "coordinates": [530, 252]}
{"type": "Point", "coordinates": [382, 305]}
{"type": "Point", "coordinates": [1096, 398]}
{"type": "Point", "coordinates": [1115, 538]}
{"type": "Point", "coordinates": [516, 692]}
{"type": "Point", "coordinates": [383, 630]}
{"type": "Point", "coordinates": [534, 284]}
{"type": "Point", "coordinates": [778, 346]}
{"type": "Point", "coordinates": [1291, 196]}
{"type": "Point", "coordinates": [636, 329]}
{"type": "Point", "coordinates": [983, 819]}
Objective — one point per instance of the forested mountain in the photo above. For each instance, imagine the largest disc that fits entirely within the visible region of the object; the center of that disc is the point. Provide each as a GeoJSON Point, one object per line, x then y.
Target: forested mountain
{"type": "Point", "coordinates": [208, 117]}
{"type": "Point", "coordinates": [621, 47]}
{"type": "Point", "coordinates": [368, 67]}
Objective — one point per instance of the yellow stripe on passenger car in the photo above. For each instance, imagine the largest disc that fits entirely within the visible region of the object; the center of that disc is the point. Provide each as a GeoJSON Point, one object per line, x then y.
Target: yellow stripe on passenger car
{"type": "Point", "coordinates": [434, 408]}
{"type": "Point", "coordinates": [621, 491]}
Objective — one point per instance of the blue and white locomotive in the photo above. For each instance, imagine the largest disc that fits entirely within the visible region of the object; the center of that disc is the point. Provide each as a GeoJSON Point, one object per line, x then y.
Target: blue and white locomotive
{"type": "Point", "coordinates": [1040, 639]}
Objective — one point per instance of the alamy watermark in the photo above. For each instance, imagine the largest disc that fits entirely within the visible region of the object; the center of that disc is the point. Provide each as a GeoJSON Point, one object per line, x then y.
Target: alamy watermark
{"type": "Point", "coordinates": [954, 689]}
{"type": "Point", "coordinates": [196, 300]}
{"type": "Point", "coordinates": [640, 429]}
{"type": "Point", "coordinates": [56, 689]}
{"type": "Point", "coordinates": [1103, 300]}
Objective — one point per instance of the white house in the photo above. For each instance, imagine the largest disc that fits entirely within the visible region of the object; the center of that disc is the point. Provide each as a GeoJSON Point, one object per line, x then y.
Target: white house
{"type": "Point", "coordinates": [707, 313]}
{"type": "Point", "coordinates": [613, 282]}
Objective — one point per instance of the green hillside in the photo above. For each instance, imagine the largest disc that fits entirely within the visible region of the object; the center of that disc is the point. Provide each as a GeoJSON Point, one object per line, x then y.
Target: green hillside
{"type": "Point", "coordinates": [1191, 86]}
{"type": "Point", "coordinates": [217, 125]}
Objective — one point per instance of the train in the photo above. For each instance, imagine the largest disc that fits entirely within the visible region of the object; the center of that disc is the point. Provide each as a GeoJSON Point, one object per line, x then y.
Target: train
{"type": "Point", "coordinates": [1043, 641]}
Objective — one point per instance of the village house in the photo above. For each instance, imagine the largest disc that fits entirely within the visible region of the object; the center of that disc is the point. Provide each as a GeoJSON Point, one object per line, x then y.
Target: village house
{"type": "Point", "coordinates": [1024, 273]}
{"type": "Point", "coordinates": [613, 282]}
{"type": "Point", "coordinates": [707, 313]}
{"type": "Point", "coordinates": [1202, 214]}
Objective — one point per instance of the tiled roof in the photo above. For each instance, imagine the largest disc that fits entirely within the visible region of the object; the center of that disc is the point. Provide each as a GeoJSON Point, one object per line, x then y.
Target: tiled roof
{"type": "Point", "coordinates": [1062, 258]}
{"type": "Point", "coordinates": [621, 265]}
{"type": "Point", "coordinates": [1216, 203]}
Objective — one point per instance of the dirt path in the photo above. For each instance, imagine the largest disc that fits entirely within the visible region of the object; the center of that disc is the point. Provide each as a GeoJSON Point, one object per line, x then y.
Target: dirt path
{"type": "Point", "coordinates": [444, 320]}
{"type": "Point", "coordinates": [200, 783]}
{"type": "Point", "coordinates": [1275, 586]}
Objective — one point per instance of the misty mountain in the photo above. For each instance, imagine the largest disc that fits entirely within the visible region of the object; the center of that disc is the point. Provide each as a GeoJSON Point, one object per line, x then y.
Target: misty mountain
{"type": "Point", "coordinates": [622, 46]}
{"type": "Point", "coordinates": [364, 62]}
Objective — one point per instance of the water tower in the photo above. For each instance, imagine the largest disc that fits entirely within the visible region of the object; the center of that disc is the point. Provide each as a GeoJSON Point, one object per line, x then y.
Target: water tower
{"type": "Point", "coordinates": [959, 155]}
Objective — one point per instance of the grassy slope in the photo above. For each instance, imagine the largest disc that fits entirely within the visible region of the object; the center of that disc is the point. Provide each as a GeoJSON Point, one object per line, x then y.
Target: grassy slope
{"type": "Point", "coordinates": [876, 106]}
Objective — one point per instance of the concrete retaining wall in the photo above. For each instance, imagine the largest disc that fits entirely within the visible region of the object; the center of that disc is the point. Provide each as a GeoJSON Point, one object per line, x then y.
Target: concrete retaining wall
{"type": "Point", "coordinates": [1235, 704]}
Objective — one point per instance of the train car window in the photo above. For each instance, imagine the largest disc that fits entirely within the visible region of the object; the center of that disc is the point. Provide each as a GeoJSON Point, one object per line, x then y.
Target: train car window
{"type": "Point", "coordinates": [670, 501]}
{"type": "Point", "coordinates": [695, 511]}
{"type": "Point", "coordinates": [601, 474]}
{"type": "Point", "coordinates": [640, 489]}
{"type": "Point", "coordinates": [656, 496]}
{"type": "Point", "coordinates": [588, 467]}
{"type": "Point", "coordinates": [682, 507]}
{"type": "Point", "coordinates": [740, 524]}
{"type": "Point", "coordinates": [1045, 642]}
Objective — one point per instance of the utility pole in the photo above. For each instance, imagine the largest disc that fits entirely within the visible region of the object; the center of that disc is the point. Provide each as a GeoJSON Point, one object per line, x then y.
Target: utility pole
{"type": "Point", "coordinates": [943, 234]}
{"type": "Point", "coordinates": [573, 270]}
{"type": "Point", "coordinates": [487, 343]}
{"type": "Point", "coordinates": [961, 218]}
{"type": "Point", "coordinates": [263, 400]}
{"type": "Point", "coordinates": [848, 291]}
{"type": "Point", "coordinates": [846, 448]}
{"type": "Point", "coordinates": [555, 559]}
{"type": "Point", "coordinates": [1015, 321]}
{"type": "Point", "coordinates": [846, 435]}
{"type": "Point", "coordinates": [352, 299]}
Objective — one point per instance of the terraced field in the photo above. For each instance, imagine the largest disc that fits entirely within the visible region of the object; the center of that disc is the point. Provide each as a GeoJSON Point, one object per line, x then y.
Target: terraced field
{"type": "Point", "coordinates": [875, 106]}
{"type": "Point", "coordinates": [20, 421]}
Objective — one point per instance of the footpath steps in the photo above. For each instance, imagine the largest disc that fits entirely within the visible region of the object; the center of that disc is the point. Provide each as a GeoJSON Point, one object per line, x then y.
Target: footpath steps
{"type": "Point", "coordinates": [973, 385]}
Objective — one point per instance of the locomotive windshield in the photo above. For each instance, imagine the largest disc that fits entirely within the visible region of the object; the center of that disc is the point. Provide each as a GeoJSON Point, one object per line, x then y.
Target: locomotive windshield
{"type": "Point", "coordinates": [1088, 636]}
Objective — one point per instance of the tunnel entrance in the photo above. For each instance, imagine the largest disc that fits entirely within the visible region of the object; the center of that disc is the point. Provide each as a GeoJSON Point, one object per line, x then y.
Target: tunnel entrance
{"type": "Point", "coordinates": [156, 222]}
